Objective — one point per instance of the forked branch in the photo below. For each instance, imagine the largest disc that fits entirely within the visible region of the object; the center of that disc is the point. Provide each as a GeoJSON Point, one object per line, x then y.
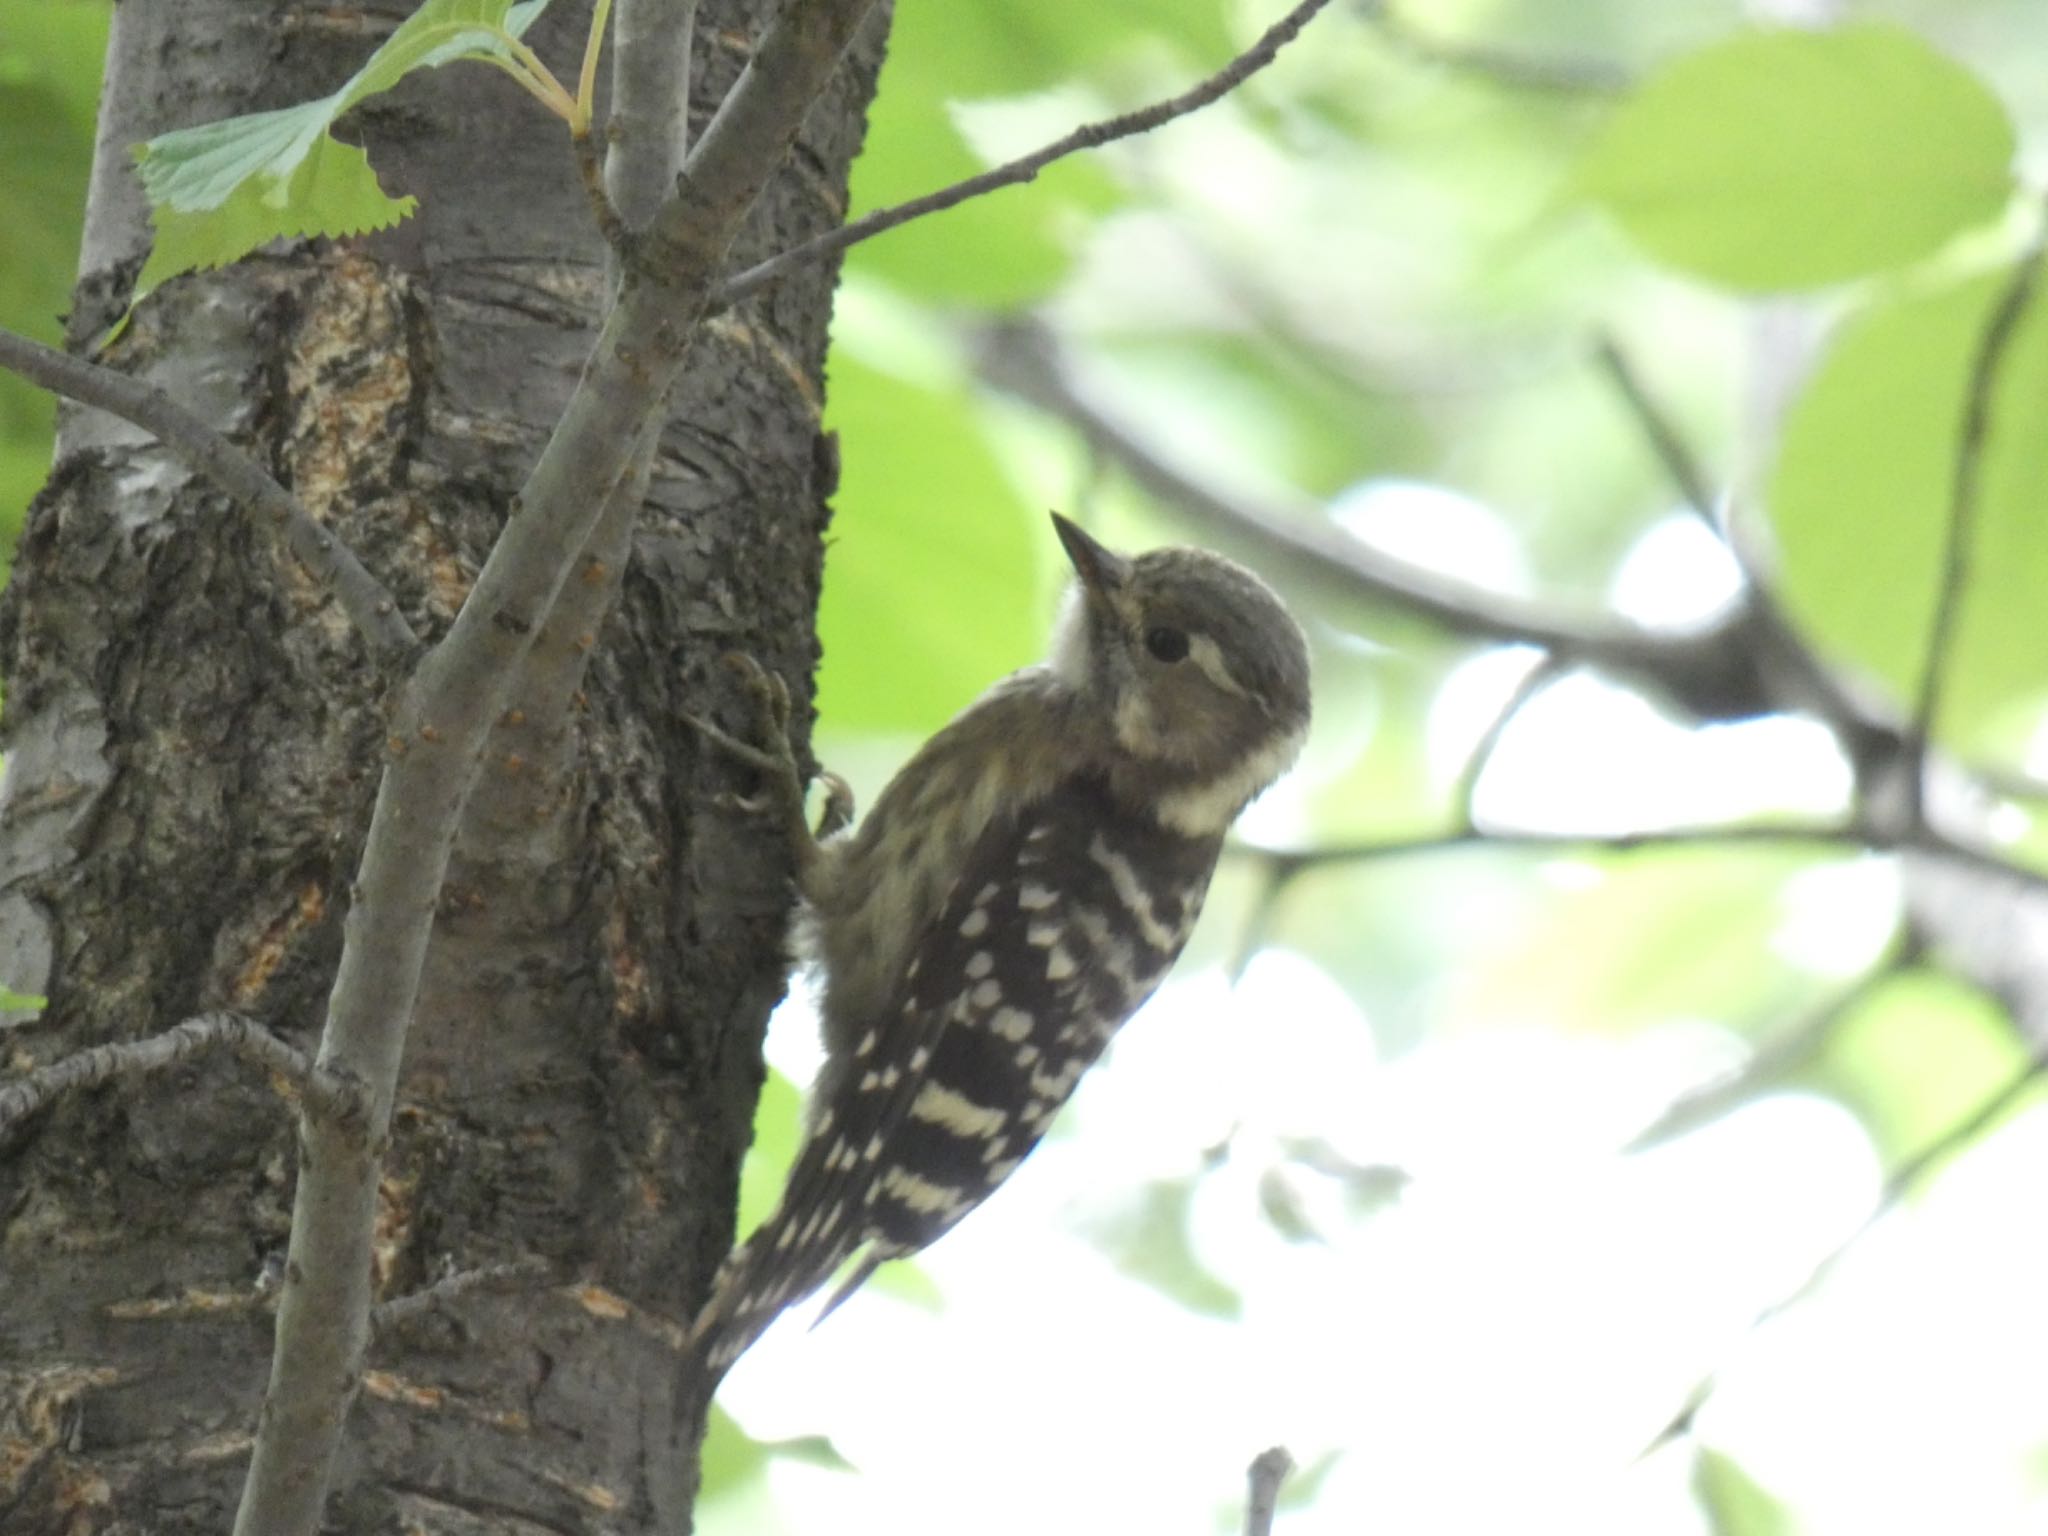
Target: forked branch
{"type": "Point", "coordinates": [363, 598]}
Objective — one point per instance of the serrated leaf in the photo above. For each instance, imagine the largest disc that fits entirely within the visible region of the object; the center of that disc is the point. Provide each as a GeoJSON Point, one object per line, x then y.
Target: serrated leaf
{"type": "Point", "coordinates": [1860, 502]}
{"type": "Point", "coordinates": [1788, 159]}
{"type": "Point", "coordinates": [221, 190]}
{"type": "Point", "coordinates": [331, 191]}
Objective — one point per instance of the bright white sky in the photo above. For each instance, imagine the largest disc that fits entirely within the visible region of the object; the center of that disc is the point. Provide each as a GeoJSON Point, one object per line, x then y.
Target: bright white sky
{"type": "Point", "coordinates": [1491, 1351]}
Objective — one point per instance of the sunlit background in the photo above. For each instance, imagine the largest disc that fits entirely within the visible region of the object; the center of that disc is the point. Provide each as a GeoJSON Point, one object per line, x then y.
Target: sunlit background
{"type": "Point", "coordinates": [1512, 1183]}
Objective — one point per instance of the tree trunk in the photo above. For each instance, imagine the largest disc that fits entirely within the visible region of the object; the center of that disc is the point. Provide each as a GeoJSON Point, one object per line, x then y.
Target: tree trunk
{"type": "Point", "coordinates": [195, 735]}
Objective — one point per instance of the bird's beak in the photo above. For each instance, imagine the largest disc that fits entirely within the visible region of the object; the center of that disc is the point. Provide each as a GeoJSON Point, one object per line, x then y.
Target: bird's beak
{"type": "Point", "coordinates": [1102, 571]}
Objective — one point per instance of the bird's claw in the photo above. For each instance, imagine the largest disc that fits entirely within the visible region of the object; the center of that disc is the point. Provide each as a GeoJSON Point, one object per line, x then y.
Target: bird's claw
{"type": "Point", "coordinates": [771, 754]}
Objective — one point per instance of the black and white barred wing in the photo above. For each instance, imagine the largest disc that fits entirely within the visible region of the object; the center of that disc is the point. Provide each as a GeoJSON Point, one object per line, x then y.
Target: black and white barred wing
{"type": "Point", "coordinates": [1064, 920]}
{"type": "Point", "coordinates": [1058, 932]}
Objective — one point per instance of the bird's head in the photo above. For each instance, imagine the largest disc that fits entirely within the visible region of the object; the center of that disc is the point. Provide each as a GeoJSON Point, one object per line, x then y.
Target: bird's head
{"type": "Point", "coordinates": [1197, 670]}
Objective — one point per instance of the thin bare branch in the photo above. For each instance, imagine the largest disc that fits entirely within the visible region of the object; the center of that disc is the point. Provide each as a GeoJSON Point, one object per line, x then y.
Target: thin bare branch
{"type": "Point", "coordinates": [327, 1096]}
{"type": "Point", "coordinates": [590, 168]}
{"type": "Point", "coordinates": [1539, 677]}
{"type": "Point", "coordinates": [1671, 449]}
{"type": "Point", "coordinates": [1560, 74]}
{"type": "Point", "coordinates": [1026, 167]}
{"type": "Point", "coordinates": [363, 598]}
{"type": "Point", "coordinates": [1799, 678]}
{"type": "Point", "coordinates": [649, 127]}
{"type": "Point", "coordinates": [1022, 358]}
{"type": "Point", "coordinates": [1264, 1478]}
{"type": "Point", "coordinates": [529, 1273]}
{"type": "Point", "coordinates": [1275, 876]}
{"type": "Point", "coordinates": [1898, 1186]}
{"type": "Point", "coordinates": [1783, 1053]}
{"type": "Point", "coordinates": [1963, 507]}
{"type": "Point", "coordinates": [1862, 834]}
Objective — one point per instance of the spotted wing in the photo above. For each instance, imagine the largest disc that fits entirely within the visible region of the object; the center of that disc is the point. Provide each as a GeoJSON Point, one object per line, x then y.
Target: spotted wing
{"type": "Point", "coordinates": [1063, 921]}
{"type": "Point", "coordinates": [1061, 927]}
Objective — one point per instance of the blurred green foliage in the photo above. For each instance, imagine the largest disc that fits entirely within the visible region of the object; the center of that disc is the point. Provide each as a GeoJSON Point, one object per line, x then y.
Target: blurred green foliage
{"type": "Point", "coordinates": [1389, 259]}
{"type": "Point", "coordinates": [50, 52]}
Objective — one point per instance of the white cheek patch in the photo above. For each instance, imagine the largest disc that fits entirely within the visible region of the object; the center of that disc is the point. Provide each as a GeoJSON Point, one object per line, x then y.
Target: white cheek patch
{"type": "Point", "coordinates": [1207, 655]}
{"type": "Point", "coordinates": [1135, 731]}
{"type": "Point", "coordinates": [1208, 808]}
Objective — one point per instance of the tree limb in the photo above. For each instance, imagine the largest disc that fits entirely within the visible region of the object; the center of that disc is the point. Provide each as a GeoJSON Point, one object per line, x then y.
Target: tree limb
{"type": "Point", "coordinates": [1782, 1053]}
{"type": "Point", "coordinates": [1466, 789]}
{"type": "Point", "coordinates": [649, 127]}
{"type": "Point", "coordinates": [1264, 1477]}
{"type": "Point", "coordinates": [443, 719]}
{"type": "Point", "coordinates": [513, 1275]}
{"type": "Point", "coordinates": [1026, 167]}
{"type": "Point", "coordinates": [1798, 678]}
{"type": "Point", "coordinates": [328, 1096]}
{"type": "Point", "coordinates": [1702, 669]}
{"type": "Point", "coordinates": [1859, 833]}
{"type": "Point", "coordinates": [333, 564]}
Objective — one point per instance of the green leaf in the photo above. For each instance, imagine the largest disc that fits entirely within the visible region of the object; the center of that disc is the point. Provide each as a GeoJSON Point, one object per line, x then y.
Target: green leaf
{"type": "Point", "coordinates": [1918, 1057]}
{"type": "Point", "coordinates": [1012, 246]}
{"type": "Point", "coordinates": [220, 190]}
{"type": "Point", "coordinates": [928, 596]}
{"type": "Point", "coordinates": [1735, 1503]}
{"type": "Point", "coordinates": [731, 1458]}
{"type": "Point", "coordinates": [1860, 502]}
{"type": "Point", "coordinates": [1793, 158]}
{"type": "Point", "coordinates": [12, 1001]}
{"type": "Point", "coordinates": [1674, 933]}
{"type": "Point", "coordinates": [778, 1130]}
{"type": "Point", "coordinates": [49, 88]}
{"type": "Point", "coordinates": [908, 1282]}
{"type": "Point", "coordinates": [330, 191]}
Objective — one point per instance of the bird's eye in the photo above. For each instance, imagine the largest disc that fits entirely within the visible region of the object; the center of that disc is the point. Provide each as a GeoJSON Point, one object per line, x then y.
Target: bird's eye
{"type": "Point", "coordinates": [1165, 643]}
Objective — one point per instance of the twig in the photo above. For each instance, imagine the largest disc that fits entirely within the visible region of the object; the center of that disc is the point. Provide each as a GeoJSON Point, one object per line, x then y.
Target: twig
{"type": "Point", "coordinates": [1999, 330]}
{"type": "Point", "coordinates": [327, 1096]}
{"type": "Point", "coordinates": [1521, 71]}
{"type": "Point", "coordinates": [1275, 876]}
{"type": "Point", "coordinates": [1671, 450]}
{"type": "Point", "coordinates": [1782, 1053]}
{"type": "Point", "coordinates": [1027, 167]}
{"type": "Point", "coordinates": [1856, 833]}
{"type": "Point", "coordinates": [1534, 681]}
{"type": "Point", "coordinates": [590, 168]}
{"type": "Point", "coordinates": [1263, 1478]}
{"type": "Point", "coordinates": [363, 598]}
{"type": "Point", "coordinates": [649, 127]}
{"type": "Point", "coordinates": [1901, 1182]}
{"type": "Point", "coordinates": [514, 1275]}
{"type": "Point", "coordinates": [1798, 678]}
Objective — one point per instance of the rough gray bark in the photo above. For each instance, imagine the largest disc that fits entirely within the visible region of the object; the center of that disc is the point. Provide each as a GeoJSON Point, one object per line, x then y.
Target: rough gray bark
{"type": "Point", "coordinates": [195, 736]}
